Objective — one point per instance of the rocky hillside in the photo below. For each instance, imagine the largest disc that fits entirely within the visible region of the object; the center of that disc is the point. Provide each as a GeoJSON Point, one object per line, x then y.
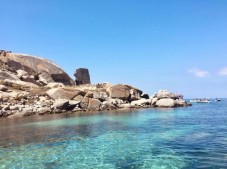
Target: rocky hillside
{"type": "Point", "coordinates": [31, 85]}
{"type": "Point", "coordinates": [31, 69]}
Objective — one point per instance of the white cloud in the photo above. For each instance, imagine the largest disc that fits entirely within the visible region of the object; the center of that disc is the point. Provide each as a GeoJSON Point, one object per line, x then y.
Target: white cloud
{"type": "Point", "coordinates": [198, 73]}
{"type": "Point", "coordinates": [223, 72]}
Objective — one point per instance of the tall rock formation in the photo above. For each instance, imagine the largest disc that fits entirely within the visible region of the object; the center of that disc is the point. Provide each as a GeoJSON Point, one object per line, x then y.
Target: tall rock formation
{"type": "Point", "coordinates": [82, 76]}
{"type": "Point", "coordinates": [43, 69]}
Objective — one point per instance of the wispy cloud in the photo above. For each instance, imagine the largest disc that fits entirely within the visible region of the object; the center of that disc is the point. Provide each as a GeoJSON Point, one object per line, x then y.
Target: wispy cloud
{"type": "Point", "coordinates": [198, 73]}
{"type": "Point", "coordinates": [223, 72]}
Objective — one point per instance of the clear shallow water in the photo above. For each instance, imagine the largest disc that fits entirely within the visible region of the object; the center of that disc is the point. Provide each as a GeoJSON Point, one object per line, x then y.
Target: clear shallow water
{"type": "Point", "coordinates": [192, 137]}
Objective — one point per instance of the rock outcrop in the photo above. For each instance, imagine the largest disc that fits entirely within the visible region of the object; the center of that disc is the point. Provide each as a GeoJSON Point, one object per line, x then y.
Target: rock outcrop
{"type": "Point", "coordinates": [165, 103]}
{"type": "Point", "coordinates": [94, 104]}
{"type": "Point", "coordinates": [61, 99]}
{"type": "Point", "coordinates": [18, 83]}
{"type": "Point", "coordinates": [166, 99]}
{"type": "Point", "coordinates": [7, 75]}
{"type": "Point", "coordinates": [119, 91]}
{"type": "Point", "coordinates": [82, 76]}
{"type": "Point", "coordinates": [38, 67]}
{"type": "Point", "coordinates": [31, 85]}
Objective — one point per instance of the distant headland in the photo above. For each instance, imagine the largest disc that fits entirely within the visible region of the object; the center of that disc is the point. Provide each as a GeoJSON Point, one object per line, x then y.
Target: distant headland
{"type": "Point", "coordinates": [32, 85]}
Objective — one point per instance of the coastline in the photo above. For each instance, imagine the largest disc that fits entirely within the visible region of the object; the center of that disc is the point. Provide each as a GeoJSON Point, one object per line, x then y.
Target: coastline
{"type": "Point", "coordinates": [39, 86]}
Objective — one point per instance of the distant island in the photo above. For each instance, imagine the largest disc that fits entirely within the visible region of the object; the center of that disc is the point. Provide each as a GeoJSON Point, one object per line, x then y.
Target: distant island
{"type": "Point", "coordinates": [31, 85]}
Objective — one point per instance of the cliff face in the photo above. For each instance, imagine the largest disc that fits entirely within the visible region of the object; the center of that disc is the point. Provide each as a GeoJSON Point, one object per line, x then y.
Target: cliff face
{"type": "Point", "coordinates": [38, 67]}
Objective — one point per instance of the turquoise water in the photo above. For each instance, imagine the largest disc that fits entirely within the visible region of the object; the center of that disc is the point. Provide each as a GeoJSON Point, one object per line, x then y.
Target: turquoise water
{"type": "Point", "coordinates": [186, 138]}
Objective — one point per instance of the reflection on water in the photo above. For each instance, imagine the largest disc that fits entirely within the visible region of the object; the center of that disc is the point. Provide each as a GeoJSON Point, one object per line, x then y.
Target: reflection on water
{"type": "Point", "coordinates": [192, 137]}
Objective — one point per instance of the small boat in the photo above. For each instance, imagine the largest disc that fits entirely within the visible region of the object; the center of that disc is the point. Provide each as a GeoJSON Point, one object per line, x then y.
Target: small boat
{"type": "Point", "coordinates": [200, 101]}
{"type": "Point", "coordinates": [217, 100]}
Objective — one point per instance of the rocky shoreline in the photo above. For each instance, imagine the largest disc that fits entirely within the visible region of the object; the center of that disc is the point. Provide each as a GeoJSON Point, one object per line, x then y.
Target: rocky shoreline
{"type": "Point", "coordinates": [30, 85]}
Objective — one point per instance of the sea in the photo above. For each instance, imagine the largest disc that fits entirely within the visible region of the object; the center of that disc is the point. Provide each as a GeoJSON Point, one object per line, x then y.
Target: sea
{"type": "Point", "coordinates": [179, 138]}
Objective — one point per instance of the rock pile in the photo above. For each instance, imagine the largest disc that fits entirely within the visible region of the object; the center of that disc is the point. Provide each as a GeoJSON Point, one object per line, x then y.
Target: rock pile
{"type": "Point", "coordinates": [29, 99]}
{"type": "Point", "coordinates": [30, 85]}
{"type": "Point", "coordinates": [165, 99]}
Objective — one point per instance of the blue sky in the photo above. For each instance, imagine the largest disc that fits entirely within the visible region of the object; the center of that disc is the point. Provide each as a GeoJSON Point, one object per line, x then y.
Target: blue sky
{"type": "Point", "coordinates": [179, 45]}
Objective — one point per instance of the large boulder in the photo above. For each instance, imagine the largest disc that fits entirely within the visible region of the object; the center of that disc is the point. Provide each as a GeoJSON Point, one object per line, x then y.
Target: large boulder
{"type": "Point", "coordinates": [165, 94]}
{"type": "Point", "coordinates": [94, 104]}
{"type": "Point", "coordinates": [36, 66]}
{"type": "Point", "coordinates": [166, 103]}
{"type": "Point", "coordinates": [119, 91]}
{"type": "Point", "coordinates": [61, 104]}
{"type": "Point", "coordinates": [82, 76]}
{"type": "Point", "coordinates": [63, 93]}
